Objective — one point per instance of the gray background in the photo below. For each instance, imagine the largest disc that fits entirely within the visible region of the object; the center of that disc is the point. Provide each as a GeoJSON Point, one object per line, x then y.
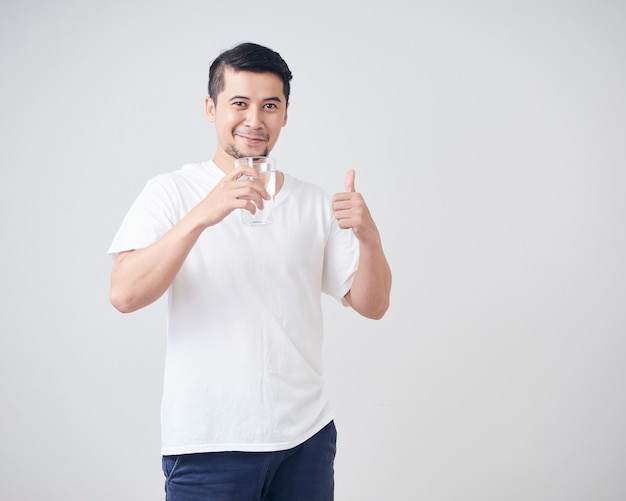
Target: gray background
{"type": "Point", "coordinates": [488, 139]}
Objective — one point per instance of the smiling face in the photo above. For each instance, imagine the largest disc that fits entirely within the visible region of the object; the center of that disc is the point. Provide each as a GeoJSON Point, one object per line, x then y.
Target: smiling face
{"type": "Point", "coordinates": [248, 114]}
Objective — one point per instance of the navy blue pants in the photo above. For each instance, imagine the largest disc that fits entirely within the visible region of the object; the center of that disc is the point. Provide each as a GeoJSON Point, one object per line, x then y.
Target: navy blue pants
{"type": "Point", "coordinates": [304, 473]}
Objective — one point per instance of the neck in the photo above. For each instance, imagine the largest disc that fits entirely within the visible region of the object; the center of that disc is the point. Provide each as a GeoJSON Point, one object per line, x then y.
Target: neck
{"type": "Point", "coordinates": [224, 161]}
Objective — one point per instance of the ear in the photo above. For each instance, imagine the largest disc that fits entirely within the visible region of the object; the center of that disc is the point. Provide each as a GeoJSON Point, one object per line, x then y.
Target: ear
{"type": "Point", "coordinates": [285, 116]}
{"type": "Point", "coordinates": [209, 109]}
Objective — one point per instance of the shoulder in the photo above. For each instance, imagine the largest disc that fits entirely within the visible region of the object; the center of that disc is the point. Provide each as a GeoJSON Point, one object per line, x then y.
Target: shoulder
{"type": "Point", "coordinates": [190, 170]}
{"type": "Point", "coordinates": [204, 173]}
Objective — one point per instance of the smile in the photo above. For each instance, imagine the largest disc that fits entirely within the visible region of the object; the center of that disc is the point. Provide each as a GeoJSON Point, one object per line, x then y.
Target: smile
{"type": "Point", "coordinates": [252, 137]}
{"type": "Point", "coordinates": [253, 140]}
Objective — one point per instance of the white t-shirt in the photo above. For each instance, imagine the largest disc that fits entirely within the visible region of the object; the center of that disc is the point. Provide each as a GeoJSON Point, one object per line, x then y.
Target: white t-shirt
{"type": "Point", "coordinates": [243, 367]}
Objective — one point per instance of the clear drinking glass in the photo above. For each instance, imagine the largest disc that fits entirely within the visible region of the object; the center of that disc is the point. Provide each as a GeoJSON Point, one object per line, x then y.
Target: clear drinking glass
{"type": "Point", "coordinates": [266, 167]}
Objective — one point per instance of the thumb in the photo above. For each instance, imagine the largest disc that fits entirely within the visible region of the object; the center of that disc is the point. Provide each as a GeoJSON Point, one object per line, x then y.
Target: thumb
{"type": "Point", "coordinates": [349, 181]}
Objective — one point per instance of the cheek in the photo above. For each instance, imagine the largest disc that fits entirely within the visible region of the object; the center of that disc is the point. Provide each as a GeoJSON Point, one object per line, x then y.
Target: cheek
{"type": "Point", "coordinates": [225, 123]}
{"type": "Point", "coordinates": [279, 123]}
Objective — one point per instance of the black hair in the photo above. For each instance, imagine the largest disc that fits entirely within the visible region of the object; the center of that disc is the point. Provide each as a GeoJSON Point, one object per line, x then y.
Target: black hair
{"type": "Point", "coordinates": [248, 57]}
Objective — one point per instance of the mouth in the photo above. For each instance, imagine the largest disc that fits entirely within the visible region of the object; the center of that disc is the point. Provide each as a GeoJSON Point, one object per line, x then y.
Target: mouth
{"type": "Point", "coordinates": [253, 137]}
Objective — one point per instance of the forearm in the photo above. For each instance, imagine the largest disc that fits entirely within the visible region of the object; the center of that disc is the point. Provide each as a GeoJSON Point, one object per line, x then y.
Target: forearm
{"type": "Point", "coordinates": [140, 277]}
{"type": "Point", "coordinates": [371, 288]}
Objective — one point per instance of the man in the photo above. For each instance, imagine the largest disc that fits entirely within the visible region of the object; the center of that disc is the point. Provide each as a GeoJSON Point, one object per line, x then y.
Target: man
{"type": "Point", "coordinates": [244, 414]}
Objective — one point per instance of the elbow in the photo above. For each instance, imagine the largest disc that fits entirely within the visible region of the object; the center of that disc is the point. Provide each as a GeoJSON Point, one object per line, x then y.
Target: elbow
{"type": "Point", "coordinates": [371, 308]}
{"type": "Point", "coordinates": [378, 312]}
{"type": "Point", "coordinates": [373, 311]}
{"type": "Point", "coordinates": [123, 294]}
{"type": "Point", "coordinates": [121, 302]}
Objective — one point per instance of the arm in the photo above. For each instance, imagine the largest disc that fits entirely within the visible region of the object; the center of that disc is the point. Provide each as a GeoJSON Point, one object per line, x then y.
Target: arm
{"type": "Point", "coordinates": [371, 288]}
{"type": "Point", "coordinates": [140, 277]}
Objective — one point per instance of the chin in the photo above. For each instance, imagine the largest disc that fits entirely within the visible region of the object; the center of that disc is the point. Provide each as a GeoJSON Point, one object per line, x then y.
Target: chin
{"type": "Point", "coordinates": [237, 153]}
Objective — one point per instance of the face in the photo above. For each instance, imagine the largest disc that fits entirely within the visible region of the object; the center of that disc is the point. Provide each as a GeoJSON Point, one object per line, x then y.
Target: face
{"type": "Point", "coordinates": [249, 114]}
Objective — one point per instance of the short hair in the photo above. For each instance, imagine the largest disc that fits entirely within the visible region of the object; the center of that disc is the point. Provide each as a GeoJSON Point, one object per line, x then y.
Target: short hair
{"type": "Point", "coordinates": [248, 57]}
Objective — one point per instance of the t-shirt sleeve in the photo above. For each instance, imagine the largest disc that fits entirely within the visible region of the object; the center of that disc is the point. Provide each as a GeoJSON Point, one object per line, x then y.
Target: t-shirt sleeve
{"type": "Point", "coordinates": [150, 216]}
{"type": "Point", "coordinates": [341, 259]}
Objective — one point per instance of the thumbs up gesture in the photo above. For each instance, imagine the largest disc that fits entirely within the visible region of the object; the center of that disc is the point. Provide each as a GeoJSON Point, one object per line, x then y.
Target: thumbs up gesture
{"type": "Point", "coordinates": [351, 211]}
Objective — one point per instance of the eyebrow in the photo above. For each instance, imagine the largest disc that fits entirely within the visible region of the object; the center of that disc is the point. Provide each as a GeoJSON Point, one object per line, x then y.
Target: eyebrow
{"type": "Point", "coordinates": [273, 98]}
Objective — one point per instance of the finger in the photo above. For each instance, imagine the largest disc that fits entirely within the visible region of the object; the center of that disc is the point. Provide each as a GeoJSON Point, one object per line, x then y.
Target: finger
{"type": "Point", "coordinates": [349, 181]}
{"type": "Point", "coordinates": [245, 172]}
{"type": "Point", "coordinates": [249, 191]}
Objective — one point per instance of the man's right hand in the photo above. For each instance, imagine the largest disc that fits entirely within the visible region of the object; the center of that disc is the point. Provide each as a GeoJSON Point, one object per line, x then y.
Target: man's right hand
{"type": "Point", "coordinates": [232, 193]}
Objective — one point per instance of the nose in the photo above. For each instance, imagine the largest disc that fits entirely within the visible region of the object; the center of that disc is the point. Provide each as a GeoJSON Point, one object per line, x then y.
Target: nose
{"type": "Point", "coordinates": [253, 117]}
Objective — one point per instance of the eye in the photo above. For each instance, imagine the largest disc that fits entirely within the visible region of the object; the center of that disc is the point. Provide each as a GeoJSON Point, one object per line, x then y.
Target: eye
{"type": "Point", "coordinates": [271, 106]}
{"type": "Point", "coordinates": [239, 104]}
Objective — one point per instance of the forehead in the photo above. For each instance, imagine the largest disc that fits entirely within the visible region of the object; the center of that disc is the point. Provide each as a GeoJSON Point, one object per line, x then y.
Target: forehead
{"type": "Point", "coordinates": [251, 84]}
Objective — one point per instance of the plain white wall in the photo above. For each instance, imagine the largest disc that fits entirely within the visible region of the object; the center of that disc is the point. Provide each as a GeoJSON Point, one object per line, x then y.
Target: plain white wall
{"type": "Point", "coordinates": [489, 139]}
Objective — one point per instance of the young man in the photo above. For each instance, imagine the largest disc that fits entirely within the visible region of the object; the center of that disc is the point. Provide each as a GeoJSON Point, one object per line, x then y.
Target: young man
{"type": "Point", "coordinates": [244, 413]}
